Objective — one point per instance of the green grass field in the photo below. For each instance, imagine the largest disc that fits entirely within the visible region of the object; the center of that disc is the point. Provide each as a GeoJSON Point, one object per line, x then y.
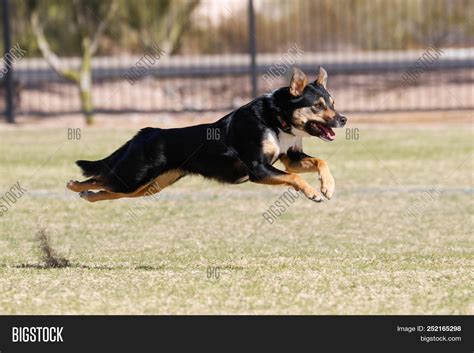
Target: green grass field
{"type": "Point", "coordinates": [355, 254]}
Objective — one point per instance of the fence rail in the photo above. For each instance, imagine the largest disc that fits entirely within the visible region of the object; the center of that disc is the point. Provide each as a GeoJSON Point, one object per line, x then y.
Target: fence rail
{"type": "Point", "coordinates": [108, 68]}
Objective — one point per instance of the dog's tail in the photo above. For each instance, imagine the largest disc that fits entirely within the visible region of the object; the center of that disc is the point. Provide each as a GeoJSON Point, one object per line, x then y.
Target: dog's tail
{"type": "Point", "coordinates": [91, 168]}
{"type": "Point", "coordinates": [102, 166]}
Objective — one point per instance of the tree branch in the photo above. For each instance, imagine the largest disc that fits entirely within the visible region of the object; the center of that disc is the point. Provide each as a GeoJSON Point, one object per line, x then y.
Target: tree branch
{"type": "Point", "coordinates": [102, 26]}
{"type": "Point", "coordinates": [179, 12]}
{"type": "Point", "coordinates": [181, 21]}
{"type": "Point", "coordinates": [50, 57]}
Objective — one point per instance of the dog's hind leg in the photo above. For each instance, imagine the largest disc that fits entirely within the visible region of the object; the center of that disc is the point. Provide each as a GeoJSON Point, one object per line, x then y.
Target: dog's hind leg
{"type": "Point", "coordinates": [159, 183]}
{"type": "Point", "coordinates": [89, 184]}
{"type": "Point", "coordinates": [151, 188]}
{"type": "Point", "coordinates": [102, 195]}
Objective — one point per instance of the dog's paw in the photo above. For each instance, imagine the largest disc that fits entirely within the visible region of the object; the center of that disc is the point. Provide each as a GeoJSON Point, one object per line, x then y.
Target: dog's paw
{"type": "Point", "coordinates": [328, 186]}
{"type": "Point", "coordinates": [86, 195]}
{"type": "Point", "coordinates": [71, 185]}
{"type": "Point", "coordinates": [312, 194]}
{"type": "Point", "coordinates": [328, 191]}
{"type": "Point", "coordinates": [316, 198]}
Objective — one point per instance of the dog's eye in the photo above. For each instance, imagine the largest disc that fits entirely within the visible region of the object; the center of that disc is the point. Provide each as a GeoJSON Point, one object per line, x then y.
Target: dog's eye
{"type": "Point", "coordinates": [319, 105]}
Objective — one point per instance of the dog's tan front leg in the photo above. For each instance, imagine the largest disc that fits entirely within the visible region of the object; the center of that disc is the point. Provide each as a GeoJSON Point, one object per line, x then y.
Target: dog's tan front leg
{"type": "Point", "coordinates": [264, 173]}
{"type": "Point", "coordinates": [297, 182]}
{"type": "Point", "coordinates": [310, 164]}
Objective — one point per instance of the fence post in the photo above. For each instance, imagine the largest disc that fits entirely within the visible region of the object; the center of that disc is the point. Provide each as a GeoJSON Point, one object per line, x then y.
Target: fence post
{"type": "Point", "coordinates": [253, 49]}
{"type": "Point", "coordinates": [8, 79]}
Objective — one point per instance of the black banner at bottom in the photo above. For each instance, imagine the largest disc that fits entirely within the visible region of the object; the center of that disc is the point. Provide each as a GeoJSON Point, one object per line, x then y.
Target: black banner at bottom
{"type": "Point", "coordinates": [244, 333]}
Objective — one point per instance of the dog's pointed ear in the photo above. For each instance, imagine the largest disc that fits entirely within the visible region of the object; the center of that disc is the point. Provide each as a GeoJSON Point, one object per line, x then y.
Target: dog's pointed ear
{"type": "Point", "coordinates": [322, 78]}
{"type": "Point", "coordinates": [298, 82]}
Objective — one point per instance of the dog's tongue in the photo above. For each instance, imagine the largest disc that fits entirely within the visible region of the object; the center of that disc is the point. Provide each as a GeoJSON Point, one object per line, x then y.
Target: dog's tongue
{"type": "Point", "coordinates": [328, 132]}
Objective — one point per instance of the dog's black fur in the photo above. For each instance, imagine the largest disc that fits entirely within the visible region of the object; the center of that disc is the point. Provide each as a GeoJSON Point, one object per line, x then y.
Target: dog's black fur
{"type": "Point", "coordinates": [228, 150]}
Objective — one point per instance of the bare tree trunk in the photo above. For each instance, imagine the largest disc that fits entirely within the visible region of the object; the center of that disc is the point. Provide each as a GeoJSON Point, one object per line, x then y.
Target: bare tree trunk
{"type": "Point", "coordinates": [85, 82]}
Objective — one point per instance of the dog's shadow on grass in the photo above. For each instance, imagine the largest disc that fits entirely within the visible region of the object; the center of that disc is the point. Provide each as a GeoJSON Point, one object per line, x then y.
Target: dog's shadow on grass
{"type": "Point", "coordinates": [42, 266]}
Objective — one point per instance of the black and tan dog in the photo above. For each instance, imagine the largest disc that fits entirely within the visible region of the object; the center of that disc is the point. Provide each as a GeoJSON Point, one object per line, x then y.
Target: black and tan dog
{"type": "Point", "coordinates": [241, 146]}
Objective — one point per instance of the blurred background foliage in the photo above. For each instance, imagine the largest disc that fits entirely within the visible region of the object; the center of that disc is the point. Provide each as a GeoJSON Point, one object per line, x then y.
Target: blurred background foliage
{"type": "Point", "coordinates": [211, 26]}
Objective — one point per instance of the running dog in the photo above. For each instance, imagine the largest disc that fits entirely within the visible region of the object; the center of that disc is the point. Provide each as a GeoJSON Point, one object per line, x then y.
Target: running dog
{"type": "Point", "coordinates": [242, 146]}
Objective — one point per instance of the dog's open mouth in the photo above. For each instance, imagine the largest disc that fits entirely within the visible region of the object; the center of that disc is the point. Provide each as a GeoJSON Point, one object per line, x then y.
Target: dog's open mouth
{"type": "Point", "coordinates": [319, 130]}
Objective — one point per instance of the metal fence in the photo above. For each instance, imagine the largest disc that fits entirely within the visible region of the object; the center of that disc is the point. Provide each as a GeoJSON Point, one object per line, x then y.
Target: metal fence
{"type": "Point", "coordinates": [381, 55]}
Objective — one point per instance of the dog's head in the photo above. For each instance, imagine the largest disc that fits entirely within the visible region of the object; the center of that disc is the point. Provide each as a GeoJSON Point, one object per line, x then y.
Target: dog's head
{"type": "Point", "coordinates": [311, 107]}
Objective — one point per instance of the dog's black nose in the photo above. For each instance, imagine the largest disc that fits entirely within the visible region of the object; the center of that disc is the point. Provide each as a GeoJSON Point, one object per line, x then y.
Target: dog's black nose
{"type": "Point", "coordinates": [343, 120]}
